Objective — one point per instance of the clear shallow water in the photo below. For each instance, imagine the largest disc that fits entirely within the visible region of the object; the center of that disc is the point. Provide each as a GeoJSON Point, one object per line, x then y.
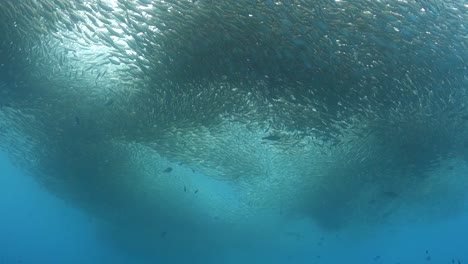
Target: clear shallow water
{"type": "Point", "coordinates": [36, 227]}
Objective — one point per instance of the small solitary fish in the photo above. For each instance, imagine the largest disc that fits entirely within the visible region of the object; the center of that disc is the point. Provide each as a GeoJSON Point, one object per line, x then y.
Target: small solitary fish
{"type": "Point", "coordinates": [272, 138]}
{"type": "Point", "coordinates": [109, 102]}
{"type": "Point", "coordinates": [196, 191]}
{"type": "Point", "coordinates": [167, 170]}
{"type": "Point", "coordinates": [390, 194]}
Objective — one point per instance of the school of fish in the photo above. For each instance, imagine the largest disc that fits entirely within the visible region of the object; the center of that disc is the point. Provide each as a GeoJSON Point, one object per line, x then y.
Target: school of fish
{"type": "Point", "coordinates": [350, 113]}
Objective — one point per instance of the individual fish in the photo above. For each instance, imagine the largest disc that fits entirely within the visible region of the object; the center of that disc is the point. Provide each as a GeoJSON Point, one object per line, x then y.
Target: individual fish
{"type": "Point", "coordinates": [390, 194]}
{"type": "Point", "coordinates": [109, 101]}
{"type": "Point", "coordinates": [167, 170]}
{"type": "Point", "coordinates": [272, 138]}
{"type": "Point", "coordinates": [105, 7]}
{"type": "Point", "coordinates": [295, 235]}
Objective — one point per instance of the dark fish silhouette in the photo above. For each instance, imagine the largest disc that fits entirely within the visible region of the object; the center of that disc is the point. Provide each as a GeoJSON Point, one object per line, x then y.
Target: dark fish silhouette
{"type": "Point", "coordinates": [295, 235]}
{"type": "Point", "coordinates": [185, 189]}
{"type": "Point", "coordinates": [167, 170]}
{"type": "Point", "coordinates": [77, 120]}
{"type": "Point", "coordinates": [272, 138]}
{"type": "Point", "coordinates": [163, 234]}
{"type": "Point", "coordinates": [110, 101]}
{"type": "Point", "coordinates": [390, 194]}
{"type": "Point", "coordinates": [196, 191]}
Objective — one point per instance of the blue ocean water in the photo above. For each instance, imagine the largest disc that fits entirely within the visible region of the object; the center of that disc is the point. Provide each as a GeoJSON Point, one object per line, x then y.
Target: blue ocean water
{"type": "Point", "coordinates": [37, 227]}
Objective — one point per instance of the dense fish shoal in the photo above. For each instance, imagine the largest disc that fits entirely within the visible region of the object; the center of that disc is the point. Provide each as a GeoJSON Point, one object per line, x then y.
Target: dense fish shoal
{"type": "Point", "coordinates": [350, 113]}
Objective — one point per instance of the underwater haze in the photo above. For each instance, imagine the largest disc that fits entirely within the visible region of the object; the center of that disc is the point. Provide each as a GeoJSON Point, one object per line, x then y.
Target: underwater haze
{"type": "Point", "coordinates": [233, 131]}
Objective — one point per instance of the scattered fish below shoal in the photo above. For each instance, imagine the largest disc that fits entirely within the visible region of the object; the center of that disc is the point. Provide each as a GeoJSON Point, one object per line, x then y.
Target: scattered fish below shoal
{"type": "Point", "coordinates": [196, 191]}
{"type": "Point", "coordinates": [167, 170]}
{"type": "Point", "coordinates": [77, 120]}
{"type": "Point", "coordinates": [185, 189]}
{"type": "Point", "coordinates": [163, 234]}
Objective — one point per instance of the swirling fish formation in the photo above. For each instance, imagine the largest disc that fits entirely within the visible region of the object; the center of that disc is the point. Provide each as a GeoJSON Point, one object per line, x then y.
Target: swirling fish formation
{"type": "Point", "coordinates": [345, 112]}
